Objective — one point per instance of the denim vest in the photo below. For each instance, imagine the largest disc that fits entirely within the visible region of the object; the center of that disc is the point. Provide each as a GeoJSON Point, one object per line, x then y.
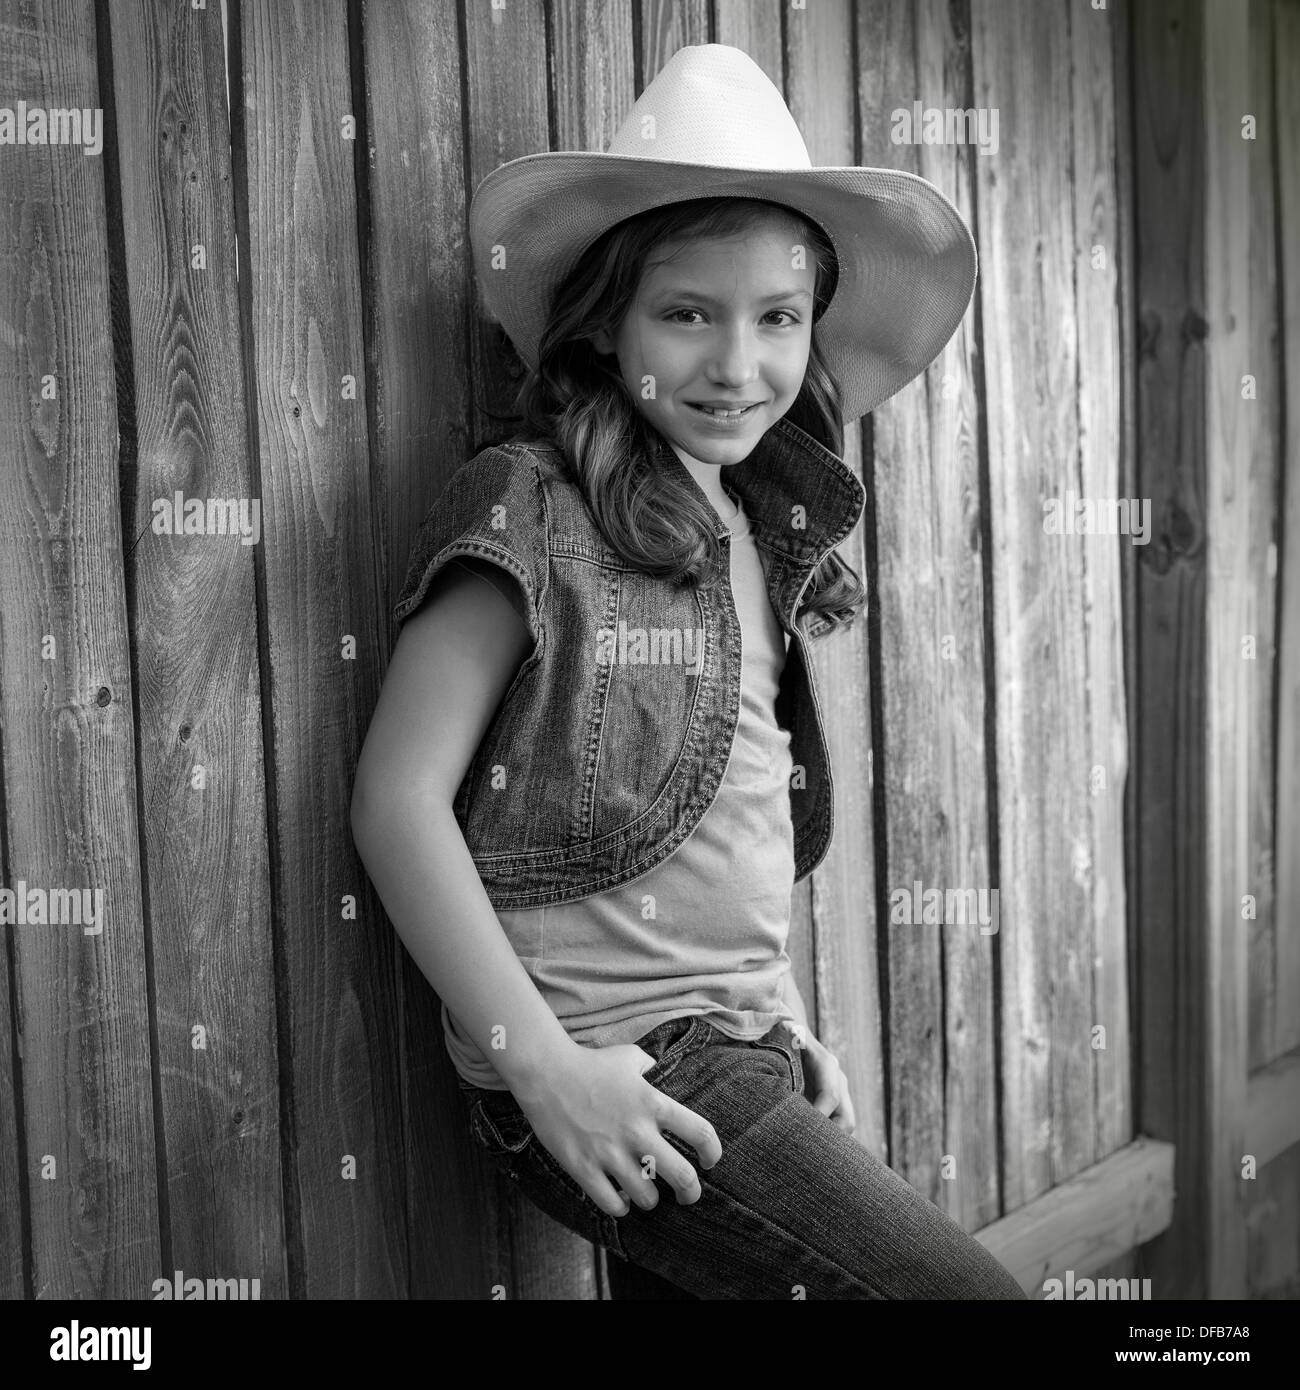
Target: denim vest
{"type": "Point", "coordinates": [608, 746]}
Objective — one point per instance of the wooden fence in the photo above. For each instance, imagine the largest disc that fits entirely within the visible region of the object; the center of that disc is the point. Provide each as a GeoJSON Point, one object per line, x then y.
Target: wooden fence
{"type": "Point", "coordinates": [261, 290]}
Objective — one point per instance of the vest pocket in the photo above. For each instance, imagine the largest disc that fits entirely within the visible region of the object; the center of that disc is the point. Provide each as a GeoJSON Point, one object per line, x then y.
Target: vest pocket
{"type": "Point", "coordinates": [648, 673]}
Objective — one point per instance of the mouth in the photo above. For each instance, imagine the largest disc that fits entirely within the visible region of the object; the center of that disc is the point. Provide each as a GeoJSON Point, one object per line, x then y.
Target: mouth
{"type": "Point", "coordinates": [717, 412]}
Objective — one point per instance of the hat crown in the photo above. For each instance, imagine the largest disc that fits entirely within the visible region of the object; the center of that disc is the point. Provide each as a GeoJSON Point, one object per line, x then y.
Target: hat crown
{"type": "Point", "coordinates": [712, 104]}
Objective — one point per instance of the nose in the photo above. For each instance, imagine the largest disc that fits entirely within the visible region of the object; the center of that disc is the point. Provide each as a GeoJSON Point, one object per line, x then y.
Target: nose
{"type": "Point", "coordinates": [735, 362]}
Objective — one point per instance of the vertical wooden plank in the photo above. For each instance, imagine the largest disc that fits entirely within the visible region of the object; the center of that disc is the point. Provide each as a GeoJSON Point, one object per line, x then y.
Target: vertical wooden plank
{"type": "Point", "coordinates": [195, 626]}
{"type": "Point", "coordinates": [753, 26]}
{"type": "Point", "coordinates": [594, 71]}
{"type": "Point", "coordinates": [13, 1196]}
{"type": "Point", "coordinates": [506, 66]}
{"type": "Point", "coordinates": [1129, 1265]}
{"type": "Point", "coordinates": [928, 522]}
{"type": "Point", "coordinates": [82, 1012]}
{"type": "Point", "coordinates": [345, 1204]}
{"type": "Point", "coordinates": [1286, 1009]}
{"type": "Point", "coordinates": [417, 315]}
{"type": "Point", "coordinates": [1045, 831]}
{"type": "Point", "coordinates": [664, 26]}
{"type": "Point", "coordinates": [1096, 261]}
{"type": "Point", "coordinates": [1169, 676]}
{"type": "Point", "coordinates": [1259, 563]}
{"type": "Point", "coordinates": [14, 1200]}
{"type": "Point", "coordinates": [822, 100]}
{"type": "Point", "coordinates": [417, 307]}
{"type": "Point", "coordinates": [1234, 462]}
{"type": "Point", "coordinates": [505, 80]}
{"type": "Point", "coordinates": [919, 579]}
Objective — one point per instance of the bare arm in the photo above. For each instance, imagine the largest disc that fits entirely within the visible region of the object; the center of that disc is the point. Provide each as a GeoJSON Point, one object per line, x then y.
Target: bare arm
{"type": "Point", "coordinates": [452, 665]}
{"type": "Point", "coordinates": [453, 662]}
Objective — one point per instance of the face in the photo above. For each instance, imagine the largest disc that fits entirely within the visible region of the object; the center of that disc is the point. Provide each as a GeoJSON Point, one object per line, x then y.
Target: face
{"type": "Point", "coordinates": [725, 324]}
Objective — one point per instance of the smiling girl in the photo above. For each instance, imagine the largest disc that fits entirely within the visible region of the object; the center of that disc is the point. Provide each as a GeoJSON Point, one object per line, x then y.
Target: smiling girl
{"type": "Point", "coordinates": [590, 849]}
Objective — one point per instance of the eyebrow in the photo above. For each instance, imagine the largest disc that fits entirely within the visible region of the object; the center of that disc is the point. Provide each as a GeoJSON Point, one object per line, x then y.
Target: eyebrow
{"type": "Point", "coordinates": [684, 292]}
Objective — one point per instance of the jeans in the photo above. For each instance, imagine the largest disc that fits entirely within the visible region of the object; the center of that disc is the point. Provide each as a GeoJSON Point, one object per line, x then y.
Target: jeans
{"type": "Point", "coordinates": [795, 1208]}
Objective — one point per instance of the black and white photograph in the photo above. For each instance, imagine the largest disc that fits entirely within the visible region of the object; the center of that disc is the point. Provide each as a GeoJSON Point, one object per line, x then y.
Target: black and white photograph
{"type": "Point", "coordinates": [650, 651]}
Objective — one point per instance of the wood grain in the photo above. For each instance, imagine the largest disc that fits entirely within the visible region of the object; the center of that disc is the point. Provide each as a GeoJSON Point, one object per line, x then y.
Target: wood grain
{"type": "Point", "coordinates": [594, 72]}
{"type": "Point", "coordinates": [339, 1015]}
{"type": "Point", "coordinates": [1169, 877]}
{"type": "Point", "coordinates": [1085, 1223]}
{"type": "Point", "coordinates": [1096, 268]}
{"type": "Point", "coordinates": [199, 698]}
{"type": "Point", "coordinates": [1119, 129]}
{"type": "Point", "coordinates": [943, 1051]}
{"type": "Point", "coordinates": [663, 27]}
{"type": "Point", "coordinates": [753, 26]}
{"type": "Point", "coordinates": [505, 84]}
{"type": "Point", "coordinates": [1237, 463]}
{"type": "Point", "coordinates": [417, 294]}
{"type": "Point", "coordinates": [1127, 1265]}
{"type": "Point", "coordinates": [66, 698]}
{"type": "Point", "coordinates": [1045, 830]}
{"type": "Point", "coordinates": [1257, 473]}
{"type": "Point", "coordinates": [1286, 1006]}
{"type": "Point", "coordinates": [14, 1254]}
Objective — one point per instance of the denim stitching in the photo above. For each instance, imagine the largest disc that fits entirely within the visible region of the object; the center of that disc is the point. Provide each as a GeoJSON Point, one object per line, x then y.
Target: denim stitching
{"type": "Point", "coordinates": [495, 1139]}
{"type": "Point", "coordinates": [690, 1042]}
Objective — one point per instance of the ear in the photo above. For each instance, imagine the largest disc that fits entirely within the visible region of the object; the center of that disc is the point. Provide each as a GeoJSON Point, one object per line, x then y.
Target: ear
{"type": "Point", "coordinates": [602, 341]}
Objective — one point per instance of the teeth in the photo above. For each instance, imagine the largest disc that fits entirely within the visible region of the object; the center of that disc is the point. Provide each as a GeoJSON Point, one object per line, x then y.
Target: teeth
{"type": "Point", "coordinates": [724, 414]}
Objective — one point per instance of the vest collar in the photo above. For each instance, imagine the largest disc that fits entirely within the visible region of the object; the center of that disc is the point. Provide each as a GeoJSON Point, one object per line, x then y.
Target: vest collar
{"type": "Point", "coordinates": [801, 501]}
{"type": "Point", "coordinates": [800, 498]}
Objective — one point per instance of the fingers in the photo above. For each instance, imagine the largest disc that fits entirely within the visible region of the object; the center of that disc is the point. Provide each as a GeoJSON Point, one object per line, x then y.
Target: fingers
{"type": "Point", "coordinates": [636, 1178]}
{"type": "Point", "coordinates": [832, 1096]}
{"type": "Point", "coordinates": [827, 1101]}
{"type": "Point", "coordinates": [693, 1127]}
{"type": "Point", "coordinates": [678, 1172]}
{"type": "Point", "coordinates": [601, 1191]}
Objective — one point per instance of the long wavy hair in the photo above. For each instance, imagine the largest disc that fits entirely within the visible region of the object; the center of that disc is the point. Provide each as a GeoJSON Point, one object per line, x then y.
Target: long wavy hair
{"type": "Point", "coordinates": [576, 397]}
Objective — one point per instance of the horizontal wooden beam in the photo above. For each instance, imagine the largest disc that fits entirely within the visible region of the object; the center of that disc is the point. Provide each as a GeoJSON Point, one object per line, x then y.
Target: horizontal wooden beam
{"type": "Point", "coordinates": [1273, 1108]}
{"type": "Point", "coordinates": [1108, 1209]}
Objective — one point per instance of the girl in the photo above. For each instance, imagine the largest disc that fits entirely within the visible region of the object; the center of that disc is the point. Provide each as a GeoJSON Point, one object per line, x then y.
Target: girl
{"type": "Point", "coordinates": [598, 765]}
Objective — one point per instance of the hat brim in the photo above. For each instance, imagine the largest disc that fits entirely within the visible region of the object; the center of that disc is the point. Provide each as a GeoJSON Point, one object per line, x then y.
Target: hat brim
{"type": "Point", "coordinates": [907, 262]}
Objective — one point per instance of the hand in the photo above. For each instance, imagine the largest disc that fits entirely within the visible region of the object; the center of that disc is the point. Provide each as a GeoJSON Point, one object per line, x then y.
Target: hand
{"type": "Point", "coordinates": [598, 1119]}
{"type": "Point", "coordinates": [825, 1084]}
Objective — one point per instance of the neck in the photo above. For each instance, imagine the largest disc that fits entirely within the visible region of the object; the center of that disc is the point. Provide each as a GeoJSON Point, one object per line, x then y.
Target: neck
{"type": "Point", "coordinates": [708, 478]}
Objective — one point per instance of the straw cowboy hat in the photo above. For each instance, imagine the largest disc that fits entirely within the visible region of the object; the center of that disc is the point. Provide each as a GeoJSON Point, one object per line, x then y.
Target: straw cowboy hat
{"type": "Point", "coordinates": [711, 124]}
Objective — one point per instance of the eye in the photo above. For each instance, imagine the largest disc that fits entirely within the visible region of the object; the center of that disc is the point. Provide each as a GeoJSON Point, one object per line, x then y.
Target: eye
{"type": "Point", "coordinates": [672, 317]}
{"type": "Point", "coordinates": [785, 313]}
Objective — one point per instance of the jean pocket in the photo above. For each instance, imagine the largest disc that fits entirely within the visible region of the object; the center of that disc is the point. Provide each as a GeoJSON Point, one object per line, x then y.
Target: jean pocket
{"type": "Point", "coordinates": [500, 1126]}
{"type": "Point", "coordinates": [682, 1037]}
{"type": "Point", "coordinates": [781, 1038]}
{"type": "Point", "coordinates": [506, 1133]}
